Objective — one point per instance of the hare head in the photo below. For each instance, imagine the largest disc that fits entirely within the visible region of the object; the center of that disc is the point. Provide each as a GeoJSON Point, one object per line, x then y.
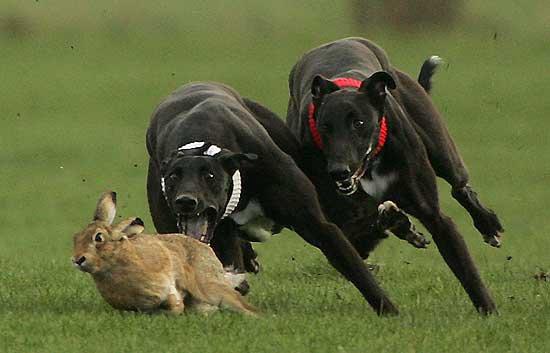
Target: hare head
{"type": "Point", "coordinates": [94, 245]}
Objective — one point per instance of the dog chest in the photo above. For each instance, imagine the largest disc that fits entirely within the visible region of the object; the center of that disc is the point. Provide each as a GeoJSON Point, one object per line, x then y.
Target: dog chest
{"type": "Point", "coordinates": [378, 184]}
{"type": "Point", "coordinates": [252, 210]}
{"type": "Point", "coordinates": [253, 223]}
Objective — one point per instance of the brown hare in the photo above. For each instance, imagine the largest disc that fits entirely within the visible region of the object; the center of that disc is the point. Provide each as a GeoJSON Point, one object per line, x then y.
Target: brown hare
{"type": "Point", "coordinates": [151, 273]}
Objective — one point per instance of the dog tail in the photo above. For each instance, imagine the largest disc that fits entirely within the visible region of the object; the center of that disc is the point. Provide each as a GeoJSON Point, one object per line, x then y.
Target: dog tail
{"type": "Point", "coordinates": [429, 67]}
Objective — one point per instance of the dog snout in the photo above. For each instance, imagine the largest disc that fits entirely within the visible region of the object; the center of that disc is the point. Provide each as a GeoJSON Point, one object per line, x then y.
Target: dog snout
{"type": "Point", "coordinates": [186, 203]}
{"type": "Point", "coordinates": [340, 172]}
{"type": "Point", "coordinates": [79, 261]}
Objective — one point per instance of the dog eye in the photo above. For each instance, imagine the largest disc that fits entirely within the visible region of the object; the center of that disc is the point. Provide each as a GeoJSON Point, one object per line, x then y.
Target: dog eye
{"type": "Point", "coordinates": [209, 176]}
{"type": "Point", "coordinates": [358, 124]}
{"type": "Point", "coordinates": [324, 128]}
{"type": "Point", "coordinates": [98, 237]}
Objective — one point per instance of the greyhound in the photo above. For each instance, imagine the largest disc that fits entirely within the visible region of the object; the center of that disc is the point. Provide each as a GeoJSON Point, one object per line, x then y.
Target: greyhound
{"type": "Point", "coordinates": [370, 133]}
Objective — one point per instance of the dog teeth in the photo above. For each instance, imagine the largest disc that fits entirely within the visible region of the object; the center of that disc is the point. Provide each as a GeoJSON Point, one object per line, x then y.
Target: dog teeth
{"type": "Point", "coordinates": [350, 190]}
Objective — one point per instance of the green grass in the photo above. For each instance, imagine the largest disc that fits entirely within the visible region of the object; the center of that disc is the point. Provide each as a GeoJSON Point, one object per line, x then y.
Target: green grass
{"type": "Point", "coordinates": [79, 84]}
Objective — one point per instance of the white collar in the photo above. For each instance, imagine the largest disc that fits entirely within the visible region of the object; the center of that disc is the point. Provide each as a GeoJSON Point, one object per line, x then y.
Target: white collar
{"type": "Point", "coordinates": [236, 177]}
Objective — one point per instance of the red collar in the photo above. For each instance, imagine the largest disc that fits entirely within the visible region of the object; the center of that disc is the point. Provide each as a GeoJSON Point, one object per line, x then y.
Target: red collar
{"type": "Point", "coordinates": [344, 82]}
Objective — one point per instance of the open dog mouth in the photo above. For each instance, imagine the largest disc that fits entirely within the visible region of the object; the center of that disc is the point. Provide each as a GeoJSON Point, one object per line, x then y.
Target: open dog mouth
{"type": "Point", "coordinates": [199, 226]}
{"type": "Point", "coordinates": [349, 186]}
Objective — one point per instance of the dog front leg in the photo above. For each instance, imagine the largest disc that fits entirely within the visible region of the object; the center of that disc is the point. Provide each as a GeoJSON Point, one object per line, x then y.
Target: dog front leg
{"type": "Point", "coordinates": [345, 259]}
{"type": "Point", "coordinates": [290, 199]}
{"type": "Point", "coordinates": [235, 254]}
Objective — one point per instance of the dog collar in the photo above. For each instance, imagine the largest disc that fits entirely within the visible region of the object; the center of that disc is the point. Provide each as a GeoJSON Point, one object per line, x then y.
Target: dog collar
{"type": "Point", "coordinates": [344, 82]}
{"type": "Point", "coordinates": [212, 151]}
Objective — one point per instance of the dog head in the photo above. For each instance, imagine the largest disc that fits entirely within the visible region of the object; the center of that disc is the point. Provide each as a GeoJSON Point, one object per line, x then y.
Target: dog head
{"type": "Point", "coordinates": [198, 182]}
{"type": "Point", "coordinates": [348, 122]}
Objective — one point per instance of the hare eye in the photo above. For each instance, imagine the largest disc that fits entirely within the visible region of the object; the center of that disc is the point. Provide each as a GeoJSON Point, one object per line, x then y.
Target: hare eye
{"type": "Point", "coordinates": [98, 237]}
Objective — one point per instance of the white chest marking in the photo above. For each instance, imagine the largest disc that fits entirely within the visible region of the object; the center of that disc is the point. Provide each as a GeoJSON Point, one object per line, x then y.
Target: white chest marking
{"type": "Point", "coordinates": [251, 211]}
{"type": "Point", "coordinates": [377, 186]}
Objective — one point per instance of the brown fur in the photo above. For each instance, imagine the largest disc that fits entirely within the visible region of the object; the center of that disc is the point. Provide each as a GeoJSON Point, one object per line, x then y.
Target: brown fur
{"type": "Point", "coordinates": [151, 273]}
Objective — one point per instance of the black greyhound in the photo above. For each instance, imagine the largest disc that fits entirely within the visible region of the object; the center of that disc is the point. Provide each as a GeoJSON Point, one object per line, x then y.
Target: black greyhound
{"type": "Point", "coordinates": [364, 124]}
{"type": "Point", "coordinates": [214, 167]}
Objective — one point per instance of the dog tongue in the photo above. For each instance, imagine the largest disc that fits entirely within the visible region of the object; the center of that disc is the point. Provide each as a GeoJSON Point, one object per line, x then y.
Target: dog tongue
{"type": "Point", "coordinates": [197, 226]}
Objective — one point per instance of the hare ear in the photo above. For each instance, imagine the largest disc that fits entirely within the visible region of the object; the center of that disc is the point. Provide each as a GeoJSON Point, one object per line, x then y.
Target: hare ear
{"type": "Point", "coordinates": [135, 228]}
{"type": "Point", "coordinates": [106, 208]}
{"type": "Point", "coordinates": [130, 227]}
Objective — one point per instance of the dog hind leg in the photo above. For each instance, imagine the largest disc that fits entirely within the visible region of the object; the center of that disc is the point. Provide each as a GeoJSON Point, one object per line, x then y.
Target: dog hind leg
{"type": "Point", "coordinates": [445, 158]}
{"type": "Point", "coordinates": [420, 199]}
{"type": "Point", "coordinates": [453, 249]}
{"type": "Point", "coordinates": [485, 220]}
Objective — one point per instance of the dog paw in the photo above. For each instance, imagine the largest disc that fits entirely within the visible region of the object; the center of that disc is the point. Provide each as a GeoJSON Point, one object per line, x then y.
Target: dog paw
{"type": "Point", "coordinates": [493, 240]}
{"type": "Point", "coordinates": [490, 227]}
{"type": "Point", "coordinates": [243, 288]}
{"type": "Point", "coordinates": [418, 240]}
{"type": "Point", "coordinates": [373, 268]}
{"type": "Point", "coordinates": [387, 206]}
{"type": "Point", "coordinates": [236, 280]}
{"type": "Point", "coordinates": [252, 266]}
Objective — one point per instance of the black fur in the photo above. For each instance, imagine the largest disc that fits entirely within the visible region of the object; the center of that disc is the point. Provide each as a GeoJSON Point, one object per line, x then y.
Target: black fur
{"type": "Point", "coordinates": [428, 69]}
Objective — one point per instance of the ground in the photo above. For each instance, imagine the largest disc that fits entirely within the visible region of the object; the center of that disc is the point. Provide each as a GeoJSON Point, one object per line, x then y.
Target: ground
{"type": "Point", "coordinates": [77, 89]}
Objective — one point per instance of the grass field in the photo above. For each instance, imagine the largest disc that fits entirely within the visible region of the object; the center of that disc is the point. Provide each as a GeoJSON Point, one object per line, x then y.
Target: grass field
{"type": "Point", "coordinates": [78, 84]}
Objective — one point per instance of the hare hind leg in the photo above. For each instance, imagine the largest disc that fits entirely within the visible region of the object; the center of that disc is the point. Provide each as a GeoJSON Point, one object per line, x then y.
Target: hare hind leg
{"type": "Point", "coordinates": [226, 297]}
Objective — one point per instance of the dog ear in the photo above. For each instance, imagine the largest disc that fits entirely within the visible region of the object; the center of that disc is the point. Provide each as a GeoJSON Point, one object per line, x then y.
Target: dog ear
{"type": "Point", "coordinates": [165, 163]}
{"type": "Point", "coordinates": [376, 87]}
{"type": "Point", "coordinates": [321, 86]}
{"type": "Point", "coordinates": [232, 161]}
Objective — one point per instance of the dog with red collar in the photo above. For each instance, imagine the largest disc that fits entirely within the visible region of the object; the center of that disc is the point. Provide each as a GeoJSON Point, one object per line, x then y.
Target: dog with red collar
{"type": "Point", "coordinates": [369, 133]}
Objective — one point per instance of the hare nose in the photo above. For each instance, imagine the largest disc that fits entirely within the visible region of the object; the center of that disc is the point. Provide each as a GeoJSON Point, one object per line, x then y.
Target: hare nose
{"type": "Point", "coordinates": [80, 260]}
